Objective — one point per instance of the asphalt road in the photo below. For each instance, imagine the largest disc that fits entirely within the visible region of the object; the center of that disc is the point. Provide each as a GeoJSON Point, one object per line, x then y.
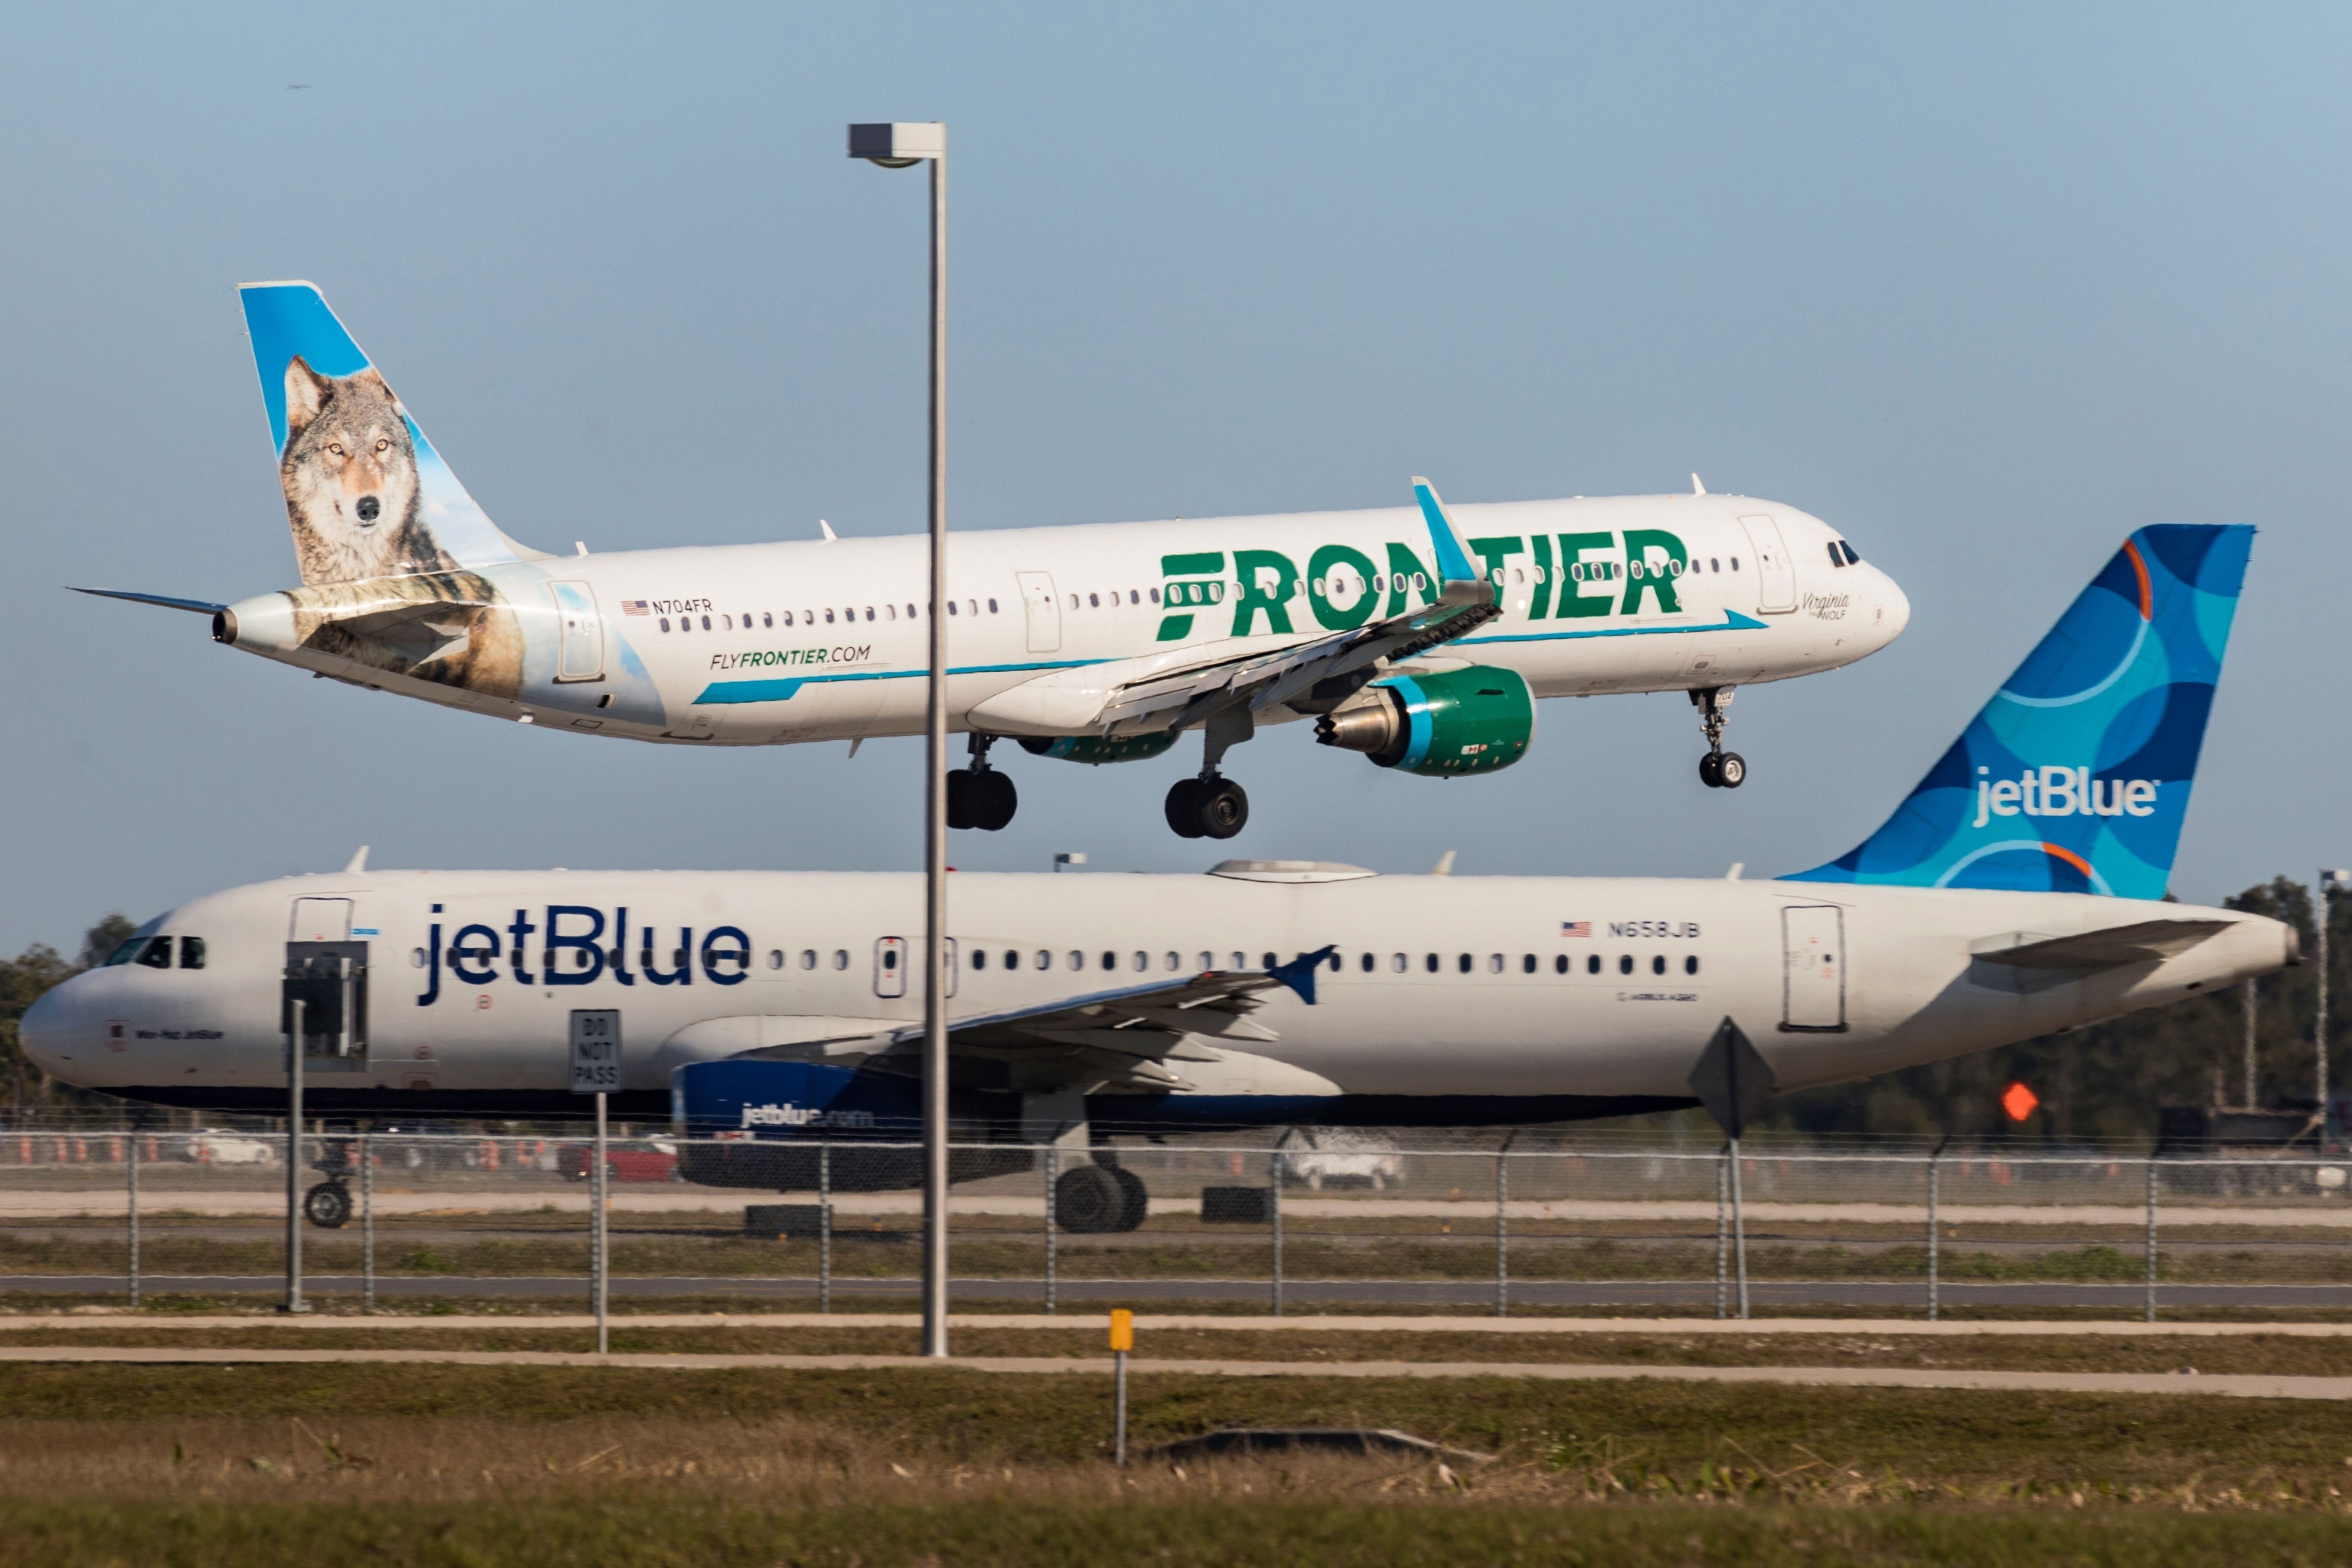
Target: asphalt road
{"type": "Point", "coordinates": [1477, 1294]}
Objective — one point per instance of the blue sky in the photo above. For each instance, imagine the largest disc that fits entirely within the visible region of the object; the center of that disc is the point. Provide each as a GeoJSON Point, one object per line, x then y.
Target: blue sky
{"type": "Point", "coordinates": [1985, 288]}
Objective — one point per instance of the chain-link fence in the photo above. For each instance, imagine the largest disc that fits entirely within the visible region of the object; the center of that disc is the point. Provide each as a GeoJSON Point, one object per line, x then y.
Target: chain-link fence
{"type": "Point", "coordinates": [1317, 1222]}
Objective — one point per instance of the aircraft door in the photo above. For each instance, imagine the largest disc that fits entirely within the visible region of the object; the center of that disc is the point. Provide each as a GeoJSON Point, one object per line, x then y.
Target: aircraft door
{"type": "Point", "coordinates": [1044, 610]}
{"type": "Point", "coordinates": [1776, 575]}
{"type": "Point", "coordinates": [330, 979]}
{"type": "Point", "coordinates": [580, 632]}
{"type": "Point", "coordinates": [893, 955]}
{"type": "Point", "coordinates": [320, 920]}
{"type": "Point", "coordinates": [1812, 982]}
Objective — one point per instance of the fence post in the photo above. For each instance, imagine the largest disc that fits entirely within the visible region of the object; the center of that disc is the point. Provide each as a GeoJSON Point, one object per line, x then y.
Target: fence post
{"type": "Point", "coordinates": [825, 1226]}
{"type": "Point", "coordinates": [134, 1221]}
{"type": "Point", "coordinates": [1739, 1229]}
{"type": "Point", "coordinates": [1722, 1234]}
{"type": "Point", "coordinates": [367, 1226]}
{"type": "Point", "coordinates": [2150, 1314]}
{"type": "Point", "coordinates": [1934, 1177]}
{"type": "Point", "coordinates": [1502, 1229]}
{"type": "Point", "coordinates": [1052, 1170]}
{"type": "Point", "coordinates": [1273, 1211]}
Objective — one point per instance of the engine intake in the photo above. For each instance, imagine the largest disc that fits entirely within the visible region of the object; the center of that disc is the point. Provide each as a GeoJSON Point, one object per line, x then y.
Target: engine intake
{"type": "Point", "coordinates": [1461, 721]}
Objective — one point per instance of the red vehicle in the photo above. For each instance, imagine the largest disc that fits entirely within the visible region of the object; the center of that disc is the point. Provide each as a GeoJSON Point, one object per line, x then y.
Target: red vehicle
{"type": "Point", "coordinates": [643, 1160]}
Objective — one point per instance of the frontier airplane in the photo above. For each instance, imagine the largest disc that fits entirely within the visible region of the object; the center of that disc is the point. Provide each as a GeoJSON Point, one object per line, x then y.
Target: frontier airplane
{"type": "Point", "coordinates": [1418, 638]}
{"type": "Point", "coordinates": [2014, 893]}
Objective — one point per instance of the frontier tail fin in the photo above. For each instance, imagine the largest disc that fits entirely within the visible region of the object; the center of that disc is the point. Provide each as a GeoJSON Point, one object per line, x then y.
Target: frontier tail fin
{"type": "Point", "coordinates": [366, 494]}
{"type": "Point", "coordinates": [2076, 776]}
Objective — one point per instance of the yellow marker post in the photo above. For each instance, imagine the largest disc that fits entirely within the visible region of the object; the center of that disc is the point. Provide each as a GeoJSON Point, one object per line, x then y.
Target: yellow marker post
{"type": "Point", "coordinates": [1122, 1339]}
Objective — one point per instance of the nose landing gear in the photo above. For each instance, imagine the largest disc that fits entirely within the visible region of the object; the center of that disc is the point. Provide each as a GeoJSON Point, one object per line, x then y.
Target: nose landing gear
{"type": "Point", "coordinates": [1718, 769]}
{"type": "Point", "coordinates": [979, 796]}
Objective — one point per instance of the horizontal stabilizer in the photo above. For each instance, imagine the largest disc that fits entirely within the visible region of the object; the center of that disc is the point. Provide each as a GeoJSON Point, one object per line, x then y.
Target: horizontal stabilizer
{"type": "Point", "coordinates": [200, 606]}
{"type": "Point", "coordinates": [2146, 941]}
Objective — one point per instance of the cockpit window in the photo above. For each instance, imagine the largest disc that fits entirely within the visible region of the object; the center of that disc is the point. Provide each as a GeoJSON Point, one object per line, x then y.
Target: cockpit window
{"type": "Point", "coordinates": [125, 954]}
{"type": "Point", "coordinates": [192, 953]}
{"type": "Point", "coordinates": [157, 953]}
{"type": "Point", "coordinates": [1852, 556]}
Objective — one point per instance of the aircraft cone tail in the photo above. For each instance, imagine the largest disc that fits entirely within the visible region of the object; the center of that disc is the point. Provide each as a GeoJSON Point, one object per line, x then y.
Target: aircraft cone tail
{"type": "Point", "coordinates": [366, 494]}
{"type": "Point", "coordinates": [2076, 777]}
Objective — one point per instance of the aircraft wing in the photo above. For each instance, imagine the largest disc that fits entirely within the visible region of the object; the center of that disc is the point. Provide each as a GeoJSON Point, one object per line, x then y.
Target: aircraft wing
{"type": "Point", "coordinates": [1117, 1039]}
{"type": "Point", "coordinates": [1169, 692]}
{"type": "Point", "coordinates": [2146, 942]}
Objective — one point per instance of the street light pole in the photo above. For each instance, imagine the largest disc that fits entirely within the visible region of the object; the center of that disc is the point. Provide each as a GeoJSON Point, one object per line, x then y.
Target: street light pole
{"type": "Point", "coordinates": [2327, 881]}
{"type": "Point", "coordinates": [899, 146]}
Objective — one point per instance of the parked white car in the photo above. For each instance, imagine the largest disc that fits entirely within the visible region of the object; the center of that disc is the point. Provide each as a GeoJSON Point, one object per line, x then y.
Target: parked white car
{"type": "Point", "coordinates": [1319, 1157]}
{"type": "Point", "coordinates": [212, 1146]}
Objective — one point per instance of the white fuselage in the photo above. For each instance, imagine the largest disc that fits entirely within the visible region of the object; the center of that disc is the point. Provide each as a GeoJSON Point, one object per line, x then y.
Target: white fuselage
{"type": "Point", "coordinates": [825, 639]}
{"type": "Point", "coordinates": [1444, 987]}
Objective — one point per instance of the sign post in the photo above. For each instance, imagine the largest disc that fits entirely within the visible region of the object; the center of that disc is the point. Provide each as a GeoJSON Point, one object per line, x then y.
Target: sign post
{"type": "Point", "coordinates": [597, 1069]}
{"type": "Point", "coordinates": [294, 1302]}
{"type": "Point", "coordinates": [1731, 1079]}
{"type": "Point", "coordinates": [1122, 1339]}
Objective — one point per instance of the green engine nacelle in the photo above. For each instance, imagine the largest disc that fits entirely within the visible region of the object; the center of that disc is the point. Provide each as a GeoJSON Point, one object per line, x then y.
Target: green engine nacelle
{"type": "Point", "coordinates": [1094, 749]}
{"type": "Point", "coordinates": [1461, 721]}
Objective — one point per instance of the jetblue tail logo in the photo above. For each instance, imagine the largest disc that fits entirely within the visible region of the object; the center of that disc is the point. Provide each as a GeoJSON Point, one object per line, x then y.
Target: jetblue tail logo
{"type": "Point", "coordinates": [2076, 776]}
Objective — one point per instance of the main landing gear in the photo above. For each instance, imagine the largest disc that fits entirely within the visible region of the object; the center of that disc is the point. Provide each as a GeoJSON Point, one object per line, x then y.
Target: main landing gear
{"type": "Point", "coordinates": [979, 796]}
{"type": "Point", "coordinates": [1212, 806]}
{"type": "Point", "coordinates": [1718, 769]}
{"type": "Point", "coordinates": [1101, 1199]}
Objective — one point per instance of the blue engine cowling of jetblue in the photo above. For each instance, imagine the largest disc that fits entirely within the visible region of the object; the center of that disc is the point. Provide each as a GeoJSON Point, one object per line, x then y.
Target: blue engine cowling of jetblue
{"type": "Point", "coordinates": [799, 1127]}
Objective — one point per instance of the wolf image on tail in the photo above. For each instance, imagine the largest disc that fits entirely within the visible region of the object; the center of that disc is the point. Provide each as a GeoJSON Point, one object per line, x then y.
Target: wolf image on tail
{"type": "Point", "coordinates": [349, 472]}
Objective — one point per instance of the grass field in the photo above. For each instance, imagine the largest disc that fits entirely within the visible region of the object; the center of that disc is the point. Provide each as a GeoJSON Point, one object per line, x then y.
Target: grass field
{"type": "Point", "coordinates": [270, 1465]}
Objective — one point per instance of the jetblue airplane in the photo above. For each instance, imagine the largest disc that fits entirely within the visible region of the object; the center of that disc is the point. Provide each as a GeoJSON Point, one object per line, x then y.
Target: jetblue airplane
{"type": "Point", "coordinates": [1419, 638]}
{"type": "Point", "coordinates": [2014, 893]}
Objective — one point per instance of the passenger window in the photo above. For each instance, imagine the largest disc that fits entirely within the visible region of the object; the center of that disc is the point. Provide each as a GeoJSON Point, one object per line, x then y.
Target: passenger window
{"type": "Point", "coordinates": [1463, 964]}
{"type": "Point", "coordinates": [192, 953]}
{"type": "Point", "coordinates": [1592, 964]}
{"type": "Point", "coordinates": [1077, 959]}
{"type": "Point", "coordinates": [1559, 964]}
{"type": "Point", "coordinates": [828, 621]}
{"type": "Point", "coordinates": [1625, 964]}
{"type": "Point", "coordinates": [767, 621]}
{"type": "Point", "coordinates": [1175, 961]}
{"type": "Point", "coordinates": [840, 958]}
{"type": "Point", "coordinates": [1074, 601]}
{"type": "Point", "coordinates": [1735, 563]}
{"type": "Point", "coordinates": [158, 954]}
{"type": "Point", "coordinates": [1690, 964]}
{"type": "Point", "coordinates": [788, 617]}
{"type": "Point", "coordinates": [1398, 964]}
{"type": "Point", "coordinates": [1368, 963]}
{"type": "Point", "coordinates": [808, 958]}
{"type": "Point", "coordinates": [1270, 961]}
{"type": "Point", "coordinates": [979, 959]}
{"type": "Point", "coordinates": [1110, 961]}
{"type": "Point", "coordinates": [1431, 963]}
{"type": "Point", "coordinates": [952, 609]}
{"type": "Point", "coordinates": [665, 623]}
{"type": "Point", "coordinates": [869, 612]}
{"type": "Point", "coordinates": [1241, 961]}
{"type": "Point", "coordinates": [1155, 595]}
{"type": "Point", "coordinates": [1208, 961]}
{"type": "Point", "coordinates": [889, 612]}
{"type": "Point", "coordinates": [1713, 565]}
{"type": "Point", "coordinates": [991, 607]}
{"type": "Point", "coordinates": [1142, 961]}
{"type": "Point", "coordinates": [1658, 964]}
{"type": "Point", "coordinates": [1494, 964]}
{"type": "Point", "coordinates": [775, 958]}
{"type": "Point", "coordinates": [726, 623]}
{"type": "Point", "coordinates": [1133, 597]}
{"type": "Point", "coordinates": [1527, 963]}
{"type": "Point", "coordinates": [911, 612]}
{"type": "Point", "coordinates": [706, 623]}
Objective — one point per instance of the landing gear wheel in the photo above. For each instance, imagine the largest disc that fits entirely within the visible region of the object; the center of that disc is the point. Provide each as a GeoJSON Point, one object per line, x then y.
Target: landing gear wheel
{"type": "Point", "coordinates": [1183, 814]}
{"type": "Point", "coordinates": [1710, 770]}
{"type": "Point", "coordinates": [960, 798]}
{"type": "Point", "coordinates": [993, 801]}
{"type": "Point", "coordinates": [1731, 768]}
{"type": "Point", "coordinates": [1090, 1200]}
{"type": "Point", "coordinates": [1221, 806]}
{"type": "Point", "coordinates": [328, 1205]}
{"type": "Point", "coordinates": [1134, 1203]}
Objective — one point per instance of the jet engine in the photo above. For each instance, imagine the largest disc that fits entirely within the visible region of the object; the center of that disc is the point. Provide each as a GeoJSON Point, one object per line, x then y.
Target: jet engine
{"type": "Point", "coordinates": [1471, 720]}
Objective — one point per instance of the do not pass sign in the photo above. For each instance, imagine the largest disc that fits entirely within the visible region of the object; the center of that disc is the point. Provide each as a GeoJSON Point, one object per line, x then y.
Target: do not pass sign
{"type": "Point", "coordinates": [596, 1051]}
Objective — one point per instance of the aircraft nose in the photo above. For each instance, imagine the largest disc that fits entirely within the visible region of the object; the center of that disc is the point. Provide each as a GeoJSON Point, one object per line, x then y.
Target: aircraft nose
{"type": "Point", "coordinates": [48, 1027]}
{"type": "Point", "coordinates": [1894, 608]}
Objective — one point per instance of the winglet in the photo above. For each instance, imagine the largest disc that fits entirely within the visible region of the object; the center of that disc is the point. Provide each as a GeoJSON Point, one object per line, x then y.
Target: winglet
{"type": "Point", "coordinates": [1299, 972]}
{"type": "Point", "coordinates": [1455, 564]}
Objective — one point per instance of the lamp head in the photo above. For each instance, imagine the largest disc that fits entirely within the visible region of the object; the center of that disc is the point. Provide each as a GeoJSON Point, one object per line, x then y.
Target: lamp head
{"type": "Point", "coordinates": [900, 144]}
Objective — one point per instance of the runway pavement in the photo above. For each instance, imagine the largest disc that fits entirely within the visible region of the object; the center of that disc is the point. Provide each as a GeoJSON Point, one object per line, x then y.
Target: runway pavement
{"type": "Point", "coordinates": [2236, 1384]}
{"type": "Point", "coordinates": [1470, 1294]}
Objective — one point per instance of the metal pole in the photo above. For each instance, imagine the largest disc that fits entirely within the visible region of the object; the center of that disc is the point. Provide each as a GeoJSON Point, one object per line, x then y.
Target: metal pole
{"type": "Point", "coordinates": [1502, 1232]}
{"type": "Point", "coordinates": [2150, 1243]}
{"type": "Point", "coordinates": [1274, 1213]}
{"type": "Point", "coordinates": [1739, 1229]}
{"type": "Point", "coordinates": [1120, 1455]}
{"type": "Point", "coordinates": [1935, 1191]}
{"type": "Point", "coordinates": [2250, 999]}
{"type": "Point", "coordinates": [367, 1226]}
{"type": "Point", "coordinates": [2319, 1025]}
{"type": "Point", "coordinates": [1722, 1234]}
{"type": "Point", "coordinates": [134, 1217]}
{"type": "Point", "coordinates": [293, 1302]}
{"type": "Point", "coordinates": [935, 813]}
{"type": "Point", "coordinates": [824, 1226]}
{"type": "Point", "coordinates": [600, 1262]}
{"type": "Point", "coordinates": [1052, 1161]}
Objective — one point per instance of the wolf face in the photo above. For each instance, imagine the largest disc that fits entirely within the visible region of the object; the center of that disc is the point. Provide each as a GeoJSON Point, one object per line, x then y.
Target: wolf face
{"type": "Point", "coordinates": [350, 473]}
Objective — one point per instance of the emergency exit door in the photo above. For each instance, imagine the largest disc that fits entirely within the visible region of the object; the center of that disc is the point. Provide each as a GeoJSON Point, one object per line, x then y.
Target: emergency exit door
{"type": "Point", "coordinates": [893, 955]}
{"type": "Point", "coordinates": [579, 633]}
{"type": "Point", "coordinates": [1813, 956]}
{"type": "Point", "coordinates": [1776, 574]}
{"type": "Point", "coordinates": [1044, 611]}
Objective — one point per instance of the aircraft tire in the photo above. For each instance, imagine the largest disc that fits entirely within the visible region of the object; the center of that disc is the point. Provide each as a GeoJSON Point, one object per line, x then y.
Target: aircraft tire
{"type": "Point", "coordinates": [1088, 1200]}
{"type": "Point", "coordinates": [993, 800]}
{"type": "Point", "coordinates": [1732, 770]}
{"type": "Point", "coordinates": [328, 1205]}
{"type": "Point", "coordinates": [1135, 1200]}
{"type": "Point", "coordinates": [1221, 807]}
{"type": "Point", "coordinates": [960, 798]}
{"type": "Point", "coordinates": [1710, 772]}
{"type": "Point", "coordinates": [1183, 814]}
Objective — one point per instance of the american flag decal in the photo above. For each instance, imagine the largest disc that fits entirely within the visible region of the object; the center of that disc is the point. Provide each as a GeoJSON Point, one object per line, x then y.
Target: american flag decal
{"type": "Point", "coordinates": [636, 607]}
{"type": "Point", "coordinates": [1575, 928]}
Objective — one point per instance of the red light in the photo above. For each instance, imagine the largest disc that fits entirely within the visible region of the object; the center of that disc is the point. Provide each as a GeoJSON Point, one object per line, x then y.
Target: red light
{"type": "Point", "coordinates": [2019, 1101]}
